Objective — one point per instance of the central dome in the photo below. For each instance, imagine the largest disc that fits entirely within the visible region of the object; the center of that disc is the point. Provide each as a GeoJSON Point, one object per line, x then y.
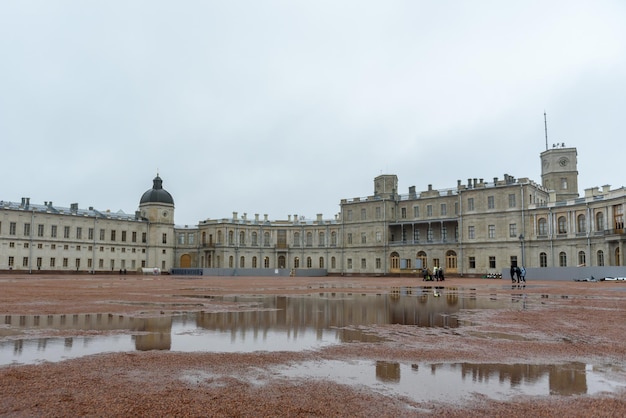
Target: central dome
{"type": "Point", "coordinates": [157, 194]}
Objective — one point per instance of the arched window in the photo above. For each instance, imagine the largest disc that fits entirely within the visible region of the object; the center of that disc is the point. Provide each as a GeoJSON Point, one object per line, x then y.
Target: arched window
{"type": "Point", "coordinates": [231, 262]}
{"type": "Point", "coordinates": [543, 260]}
{"type": "Point", "coordinates": [421, 255]}
{"type": "Point", "coordinates": [242, 238]}
{"type": "Point", "coordinates": [296, 262]}
{"type": "Point", "coordinates": [333, 263]}
{"type": "Point", "coordinates": [451, 262]}
{"type": "Point", "coordinates": [242, 261]}
{"type": "Point", "coordinates": [582, 259]}
{"type": "Point", "coordinates": [333, 238]}
{"type": "Point", "coordinates": [309, 239]}
{"type": "Point", "coordinates": [219, 237]}
{"type": "Point", "coordinates": [296, 239]}
{"type": "Point", "coordinates": [266, 239]}
{"type": "Point", "coordinates": [562, 259]}
{"type": "Point", "coordinates": [562, 225]}
{"type": "Point", "coordinates": [542, 226]}
{"type": "Point", "coordinates": [309, 262]}
{"type": "Point", "coordinates": [581, 220]}
{"type": "Point", "coordinates": [254, 262]}
{"type": "Point", "coordinates": [395, 260]}
{"type": "Point", "coordinates": [231, 237]}
{"type": "Point", "coordinates": [254, 238]}
{"type": "Point", "coordinates": [599, 221]}
{"type": "Point", "coordinates": [266, 262]}
{"type": "Point", "coordinates": [322, 239]}
{"type": "Point", "coordinates": [321, 262]}
{"type": "Point", "coordinates": [600, 256]}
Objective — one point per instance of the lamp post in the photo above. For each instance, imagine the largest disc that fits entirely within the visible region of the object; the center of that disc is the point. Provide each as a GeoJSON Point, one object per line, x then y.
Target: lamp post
{"type": "Point", "coordinates": [521, 240]}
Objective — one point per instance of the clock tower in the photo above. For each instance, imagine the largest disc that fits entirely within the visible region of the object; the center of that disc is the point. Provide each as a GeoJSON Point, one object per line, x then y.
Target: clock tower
{"type": "Point", "coordinates": [559, 171]}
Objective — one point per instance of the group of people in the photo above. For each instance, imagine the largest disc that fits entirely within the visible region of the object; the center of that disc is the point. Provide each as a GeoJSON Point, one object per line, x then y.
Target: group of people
{"type": "Point", "coordinates": [518, 274]}
{"type": "Point", "coordinates": [437, 274]}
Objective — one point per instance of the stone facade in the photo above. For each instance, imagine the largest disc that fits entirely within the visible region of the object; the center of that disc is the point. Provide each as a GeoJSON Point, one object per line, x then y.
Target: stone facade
{"type": "Point", "coordinates": [475, 228]}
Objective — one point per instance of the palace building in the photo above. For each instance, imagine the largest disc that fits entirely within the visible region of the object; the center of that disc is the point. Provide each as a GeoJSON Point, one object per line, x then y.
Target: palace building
{"type": "Point", "coordinates": [474, 228]}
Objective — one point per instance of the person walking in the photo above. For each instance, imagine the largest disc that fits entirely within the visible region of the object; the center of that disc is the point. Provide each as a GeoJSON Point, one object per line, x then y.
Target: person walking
{"type": "Point", "coordinates": [523, 274]}
{"type": "Point", "coordinates": [512, 273]}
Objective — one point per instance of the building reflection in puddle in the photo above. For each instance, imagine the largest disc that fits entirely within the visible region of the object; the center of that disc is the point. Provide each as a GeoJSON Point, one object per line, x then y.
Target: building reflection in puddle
{"type": "Point", "coordinates": [293, 323]}
{"type": "Point", "coordinates": [455, 382]}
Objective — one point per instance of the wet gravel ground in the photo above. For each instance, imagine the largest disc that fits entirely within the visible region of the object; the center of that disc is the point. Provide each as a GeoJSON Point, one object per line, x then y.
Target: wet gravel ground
{"type": "Point", "coordinates": [547, 323]}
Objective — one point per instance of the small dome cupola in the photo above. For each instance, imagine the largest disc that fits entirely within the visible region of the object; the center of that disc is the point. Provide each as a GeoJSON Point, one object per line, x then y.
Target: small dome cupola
{"type": "Point", "coordinates": [157, 194]}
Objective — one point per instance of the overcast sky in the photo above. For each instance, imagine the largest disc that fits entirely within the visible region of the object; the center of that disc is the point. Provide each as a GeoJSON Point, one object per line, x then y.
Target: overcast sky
{"type": "Point", "coordinates": [287, 107]}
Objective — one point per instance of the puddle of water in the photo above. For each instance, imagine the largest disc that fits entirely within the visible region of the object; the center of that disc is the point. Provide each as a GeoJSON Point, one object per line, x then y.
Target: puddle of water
{"type": "Point", "coordinates": [458, 382]}
{"type": "Point", "coordinates": [264, 323]}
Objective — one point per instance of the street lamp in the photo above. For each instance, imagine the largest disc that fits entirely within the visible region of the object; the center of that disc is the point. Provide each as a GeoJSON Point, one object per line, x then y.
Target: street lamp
{"type": "Point", "coordinates": [521, 240]}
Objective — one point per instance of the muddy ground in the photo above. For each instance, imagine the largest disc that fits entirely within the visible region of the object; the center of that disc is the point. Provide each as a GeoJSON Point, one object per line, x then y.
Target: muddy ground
{"type": "Point", "coordinates": [559, 323]}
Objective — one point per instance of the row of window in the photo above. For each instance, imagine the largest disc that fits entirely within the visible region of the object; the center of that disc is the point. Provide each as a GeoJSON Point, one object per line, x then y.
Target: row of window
{"type": "Point", "coordinates": [65, 263]}
{"type": "Point", "coordinates": [430, 209]}
{"type": "Point", "coordinates": [581, 222]}
{"type": "Point", "coordinates": [78, 233]}
{"type": "Point", "coordinates": [66, 247]}
{"type": "Point", "coordinates": [297, 264]}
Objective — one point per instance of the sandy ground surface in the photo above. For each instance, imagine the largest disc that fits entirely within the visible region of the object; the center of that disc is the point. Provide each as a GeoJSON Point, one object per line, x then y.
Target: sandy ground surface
{"type": "Point", "coordinates": [559, 323]}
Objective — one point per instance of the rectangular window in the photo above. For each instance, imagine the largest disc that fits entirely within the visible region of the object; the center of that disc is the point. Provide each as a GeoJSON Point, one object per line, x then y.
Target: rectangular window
{"type": "Point", "coordinates": [363, 263]}
{"type": "Point", "coordinates": [403, 213]}
{"type": "Point", "coordinates": [65, 262]}
{"type": "Point", "coordinates": [66, 232]}
{"type": "Point", "coordinates": [378, 212]}
{"type": "Point", "coordinates": [363, 238]}
{"type": "Point", "coordinates": [113, 235]}
{"type": "Point", "coordinates": [363, 214]}
{"type": "Point", "coordinates": [429, 210]}
{"type": "Point", "coordinates": [492, 231]}
{"type": "Point", "coordinates": [472, 262]}
{"type": "Point", "coordinates": [563, 183]}
{"type": "Point", "coordinates": [25, 262]}
{"type": "Point", "coordinates": [349, 215]}
{"type": "Point", "coordinates": [471, 233]}
{"type": "Point", "coordinates": [181, 239]}
{"type": "Point", "coordinates": [491, 202]}
{"type": "Point", "coordinates": [444, 233]}
{"type": "Point", "coordinates": [349, 262]}
{"type": "Point", "coordinates": [26, 230]}
{"type": "Point", "coordinates": [512, 230]}
{"type": "Point", "coordinates": [378, 263]}
{"type": "Point", "coordinates": [492, 262]}
{"type": "Point", "coordinates": [144, 237]}
{"type": "Point", "coordinates": [53, 231]}
{"type": "Point", "coordinates": [349, 238]}
{"type": "Point", "coordinates": [102, 232]}
{"type": "Point", "coordinates": [470, 204]}
{"type": "Point", "coordinates": [134, 236]}
{"type": "Point", "coordinates": [12, 228]}
{"type": "Point", "coordinates": [164, 238]}
{"type": "Point", "coordinates": [416, 211]}
{"type": "Point", "coordinates": [512, 203]}
{"type": "Point", "coordinates": [191, 239]}
{"type": "Point", "coordinates": [11, 261]}
{"type": "Point", "coordinates": [40, 229]}
{"type": "Point", "coordinates": [444, 209]}
{"type": "Point", "coordinates": [53, 262]}
{"type": "Point", "coordinates": [379, 236]}
{"type": "Point", "coordinates": [90, 234]}
{"type": "Point", "coordinates": [123, 236]}
{"type": "Point", "coordinates": [79, 232]}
